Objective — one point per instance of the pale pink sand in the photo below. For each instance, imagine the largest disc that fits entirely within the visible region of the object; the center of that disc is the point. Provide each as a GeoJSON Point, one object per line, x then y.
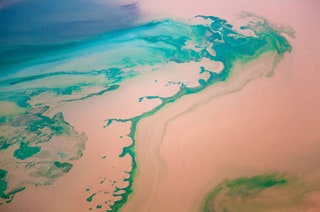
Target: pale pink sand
{"type": "Point", "coordinates": [270, 125]}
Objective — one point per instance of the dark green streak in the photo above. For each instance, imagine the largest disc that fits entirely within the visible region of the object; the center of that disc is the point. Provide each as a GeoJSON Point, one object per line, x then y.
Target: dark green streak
{"type": "Point", "coordinates": [252, 186]}
{"type": "Point", "coordinates": [111, 88]}
{"type": "Point", "coordinates": [108, 73]}
{"type": "Point", "coordinates": [244, 187]}
{"type": "Point", "coordinates": [89, 199]}
{"type": "Point", "coordinates": [266, 192]}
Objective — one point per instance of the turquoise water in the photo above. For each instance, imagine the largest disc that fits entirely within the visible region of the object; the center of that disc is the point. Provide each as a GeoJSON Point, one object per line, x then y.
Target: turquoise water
{"type": "Point", "coordinates": [101, 65]}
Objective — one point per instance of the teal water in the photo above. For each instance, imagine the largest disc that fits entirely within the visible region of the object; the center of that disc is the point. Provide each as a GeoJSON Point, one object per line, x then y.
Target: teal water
{"type": "Point", "coordinates": [103, 64]}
